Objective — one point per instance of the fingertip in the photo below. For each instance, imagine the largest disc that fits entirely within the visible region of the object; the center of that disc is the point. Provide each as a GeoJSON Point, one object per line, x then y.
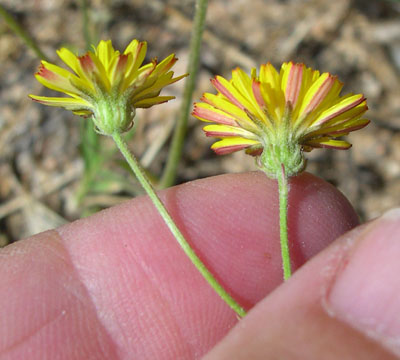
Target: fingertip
{"type": "Point", "coordinates": [318, 213]}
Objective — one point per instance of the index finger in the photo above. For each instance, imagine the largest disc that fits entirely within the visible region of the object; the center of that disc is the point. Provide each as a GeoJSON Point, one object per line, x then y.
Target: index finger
{"type": "Point", "coordinates": [117, 285]}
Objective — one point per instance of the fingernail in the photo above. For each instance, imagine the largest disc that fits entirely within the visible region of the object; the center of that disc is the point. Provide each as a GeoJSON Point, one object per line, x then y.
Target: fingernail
{"type": "Point", "coordinates": [366, 289]}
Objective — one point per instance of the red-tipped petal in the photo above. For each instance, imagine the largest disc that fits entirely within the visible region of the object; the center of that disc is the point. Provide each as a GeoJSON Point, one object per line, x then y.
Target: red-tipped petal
{"type": "Point", "coordinates": [220, 134]}
{"type": "Point", "coordinates": [229, 149]}
{"type": "Point", "coordinates": [257, 93]}
{"type": "Point", "coordinates": [46, 73]}
{"type": "Point", "coordinates": [87, 63]}
{"type": "Point", "coordinates": [320, 94]}
{"type": "Point", "coordinates": [293, 85]}
{"type": "Point", "coordinates": [224, 91]}
{"type": "Point", "coordinates": [342, 110]}
{"type": "Point", "coordinates": [122, 60]}
{"type": "Point", "coordinates": [349, 129]}
{"type": "Point", "coordinates": [213, 115]}
{"type": "Point", "coordinates": [329, 143]}
{"type": "Point", "coordinates": [56, 78]}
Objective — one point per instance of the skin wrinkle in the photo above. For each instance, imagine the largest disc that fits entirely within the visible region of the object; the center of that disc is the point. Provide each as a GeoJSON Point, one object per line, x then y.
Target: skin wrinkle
{"type": "Point", "coordinates": [174, 201]}
{"type": "Point", "coordinates": [165, 304]}
{"type": "Point", "coordinates": [159, 297]}
{"type": "Point", "coordinates": [176, 332]}
{"type": "Point", "coordinates": [33, 333]}
{"type": "Point", "coordinates": [13, 352]}
{"type": "Point", "coordinates": [176, 211]}
{"type": "Point", "coordinates": [100, 344]}
{"type": "Point", "coordinates": [80, 269]}
{"type": "Point", "coordinates": [56, 254]}
{"type": "Point", "coordinates": [173, 209]}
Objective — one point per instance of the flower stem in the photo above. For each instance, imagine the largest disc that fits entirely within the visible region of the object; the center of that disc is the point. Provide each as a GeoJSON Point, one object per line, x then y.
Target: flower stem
{"type": "Point", "coordinates": [139, 173]}
{"type": "Point", "coordinates": [283, 210]}
{"type": "Point", "coordinates": [85, 23]}
{"type": "Point", "coordinates": [93, 158]}
{"type": "Point", "coordinates": [174, 155]}
{"type": "Point", "coordinates": [20, 31]}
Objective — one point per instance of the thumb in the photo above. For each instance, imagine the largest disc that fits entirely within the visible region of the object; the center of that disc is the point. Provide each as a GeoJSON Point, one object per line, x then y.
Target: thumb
{"type": "Point", "coordinates": [343, 304]}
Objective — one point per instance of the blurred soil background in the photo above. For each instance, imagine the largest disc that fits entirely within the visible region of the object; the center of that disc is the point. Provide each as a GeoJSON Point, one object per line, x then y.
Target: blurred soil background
{"type": "Point", "coordinates": [41, 165]}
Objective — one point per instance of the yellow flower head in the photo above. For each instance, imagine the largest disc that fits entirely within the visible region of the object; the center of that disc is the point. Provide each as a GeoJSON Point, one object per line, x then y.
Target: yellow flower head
{"type": "Point", "coordinates": [278, 115]}
{"type": "Point", "coordinates": [106, 84]}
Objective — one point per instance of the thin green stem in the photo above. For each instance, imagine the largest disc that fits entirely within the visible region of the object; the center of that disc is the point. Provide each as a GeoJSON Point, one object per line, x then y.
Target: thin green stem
{"type": "Point", "coordinates": [85, 23]}
{"type": "Point", "coordinates": [175, 152]}
{"type": "Point", "coordinates": [283, 210]}
{"type": "Point", "coordinates": [20, 31]}
{"type": "Point", "coordinates": [90, 141]}
{"type": "Point", "coordinates": [138, 171]}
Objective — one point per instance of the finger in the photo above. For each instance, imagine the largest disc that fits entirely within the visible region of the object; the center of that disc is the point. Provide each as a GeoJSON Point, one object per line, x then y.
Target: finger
{"type": "Point", "coordinates": [117, 285]}
{"type": "Point", "coordinates": [342, 305]}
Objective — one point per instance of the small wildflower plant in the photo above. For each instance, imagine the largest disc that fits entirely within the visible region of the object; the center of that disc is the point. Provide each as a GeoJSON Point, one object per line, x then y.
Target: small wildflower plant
{"type": "Point", "coordinates": [273, 116]}
{"type": "Point", "coordinates": [107, 85]}
{"type": "Point", "coordinates": [277, 116]}
{"type": "Point", "coordinates": [280, 115]}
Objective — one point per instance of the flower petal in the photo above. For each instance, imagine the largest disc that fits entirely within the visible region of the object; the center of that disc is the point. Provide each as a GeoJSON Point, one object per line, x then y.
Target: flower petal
{"type": "Point", "coordinates": [72, 61]}
{"type": "Point", "coordinates": [344, 106]}
{"type": "Point", "coordinates": [94, 69]}
{"type": "Point", "coordinates": [243, 84]}
{"type": "Point", "coordinates": [324, 90]}
{"type": "Point", "coordinates": [87, 65]}
{"type": "Point", "coordinates": [227, 107]}
{"type": "Point", "coordinates": [223, 131]}
{"type": "Point", "coordinates": [106, 53]}
{"type": "Point", "coordinates": [148, 102]}
{"type": "Point", "coordinates": [67, 102]}
{"type": "Point", "coordinates": [229, 145]}
{"type": "Point", "coordinates": [55, 78]}
{"type": "Point", "coordinates": [165, 65]}
{"type": "Point", "coordinates": [138, 51]}
{"type": "Point", "coordinates": [207, 112]}
{"type": "Point", "coordinates": [339, 129]}
{"type": "Point", "coordinates": [157, 86]}
{"type": "Point", "coordinates": [273, 96]}
{"type": "Point", "coordinates": [326, 142]}
{"type": "Point", "coordinates": [292, 81]}
{"type": "Point", "coordinates": [225, 88]}
{"type": "Point", "coordinates": [141, 81]}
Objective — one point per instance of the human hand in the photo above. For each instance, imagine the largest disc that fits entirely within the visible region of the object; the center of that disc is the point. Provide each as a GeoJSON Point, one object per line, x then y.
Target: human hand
{"type": "Point", "coordinates": [117, 285]}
